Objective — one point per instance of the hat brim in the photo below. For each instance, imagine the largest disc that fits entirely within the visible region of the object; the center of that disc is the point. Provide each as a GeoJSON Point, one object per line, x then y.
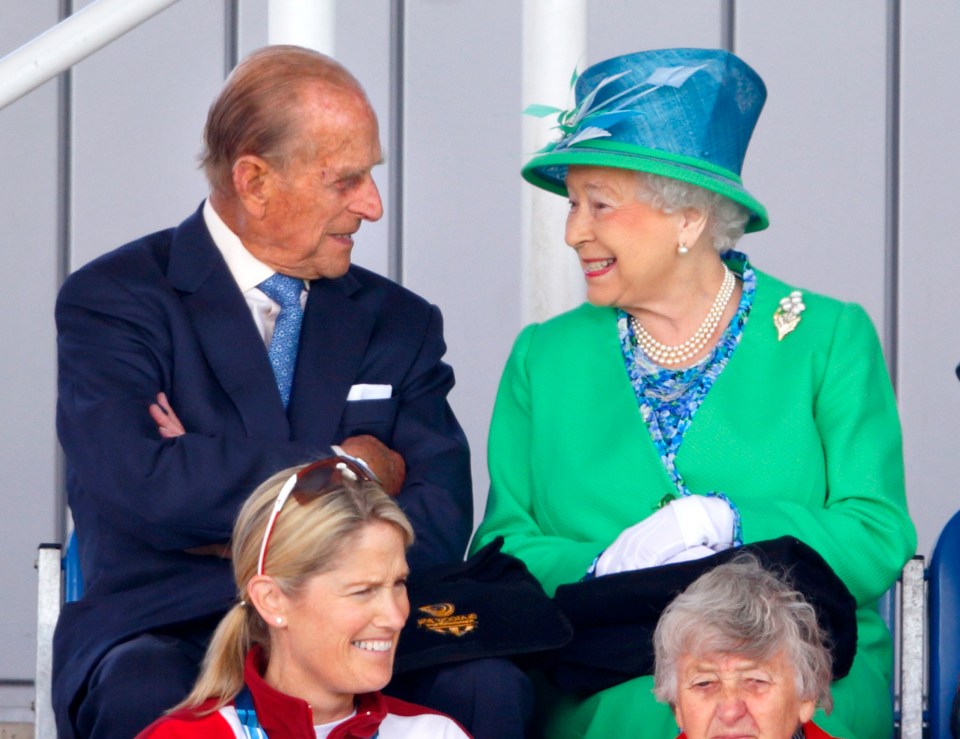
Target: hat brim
{"type": "Point", "coordinates": [548, 171]}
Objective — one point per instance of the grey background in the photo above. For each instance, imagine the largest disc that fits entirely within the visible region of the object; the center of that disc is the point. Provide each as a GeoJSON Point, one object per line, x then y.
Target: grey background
{"type": "Point", "coordinates": [855, 157]}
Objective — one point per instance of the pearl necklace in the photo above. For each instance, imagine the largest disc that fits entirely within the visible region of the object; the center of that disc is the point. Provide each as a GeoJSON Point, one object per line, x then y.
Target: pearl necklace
{"type": "Point", "coordinates": [666, 355]}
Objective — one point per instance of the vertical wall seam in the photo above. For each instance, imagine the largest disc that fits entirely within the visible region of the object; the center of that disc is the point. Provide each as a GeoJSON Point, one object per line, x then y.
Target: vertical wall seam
{"type": "Point", "coordinates": [231, 35]}
{"type": "Point", "coordinates": [892, 193]}
{"type": "Point", "coordinates": [395, 184]}
{"type": "Point", "coordinates": [64, 242]}
{"type": "Point", "coordinates": [728, 28]}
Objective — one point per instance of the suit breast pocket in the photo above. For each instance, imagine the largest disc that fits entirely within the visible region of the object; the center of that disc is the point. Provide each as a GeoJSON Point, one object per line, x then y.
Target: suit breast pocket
{"type": "Point", "coordinates": [374, 417]}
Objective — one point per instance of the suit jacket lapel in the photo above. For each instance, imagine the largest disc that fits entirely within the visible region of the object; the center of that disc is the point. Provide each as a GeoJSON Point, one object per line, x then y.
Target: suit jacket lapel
{"type": "Point", "coordinates": [225, 329]}
{"type": "Point", "coordinates": [335, 334]}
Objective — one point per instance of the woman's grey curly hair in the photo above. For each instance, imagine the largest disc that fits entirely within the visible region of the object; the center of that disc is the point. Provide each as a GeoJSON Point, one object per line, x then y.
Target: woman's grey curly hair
{"type": "Point", "coordinates": [740, 608]}
{"type": "Point", "coordinates": [725, 218]}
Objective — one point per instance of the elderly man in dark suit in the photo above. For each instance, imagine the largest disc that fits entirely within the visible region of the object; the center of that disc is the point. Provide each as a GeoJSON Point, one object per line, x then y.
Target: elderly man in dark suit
{"type": "Point", "coordinates": [186, 378]}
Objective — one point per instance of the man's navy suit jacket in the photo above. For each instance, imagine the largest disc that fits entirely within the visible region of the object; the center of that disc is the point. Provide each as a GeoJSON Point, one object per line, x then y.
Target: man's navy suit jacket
{"type": "Point", "coordinates": [163, 313]}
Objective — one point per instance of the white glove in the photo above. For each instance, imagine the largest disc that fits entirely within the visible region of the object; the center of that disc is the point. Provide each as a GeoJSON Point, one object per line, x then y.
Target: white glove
{"type": "Point", "coordinates": [689, 522]}
{"type": "Point", "coordinates": [705, 521]}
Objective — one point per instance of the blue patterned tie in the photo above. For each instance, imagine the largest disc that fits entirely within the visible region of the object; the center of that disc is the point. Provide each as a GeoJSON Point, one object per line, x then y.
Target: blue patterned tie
{"type": "Point", "coordinates": [286, 333]}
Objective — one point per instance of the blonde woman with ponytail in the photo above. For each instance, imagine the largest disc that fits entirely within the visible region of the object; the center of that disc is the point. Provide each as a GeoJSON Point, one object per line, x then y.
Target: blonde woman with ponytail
{"type": "Point", "coordinates": [320, 568]}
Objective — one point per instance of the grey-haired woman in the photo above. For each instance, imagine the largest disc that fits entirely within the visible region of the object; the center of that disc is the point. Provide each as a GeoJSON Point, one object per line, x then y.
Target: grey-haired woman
{"type": "Point", "coordinates": [695, 403]}
{"type": "Point", "coordinates": [740, 653]}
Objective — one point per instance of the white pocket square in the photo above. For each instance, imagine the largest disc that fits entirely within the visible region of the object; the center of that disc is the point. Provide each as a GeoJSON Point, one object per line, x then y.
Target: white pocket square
{"type": "Point", "coordinates": [370, 392]}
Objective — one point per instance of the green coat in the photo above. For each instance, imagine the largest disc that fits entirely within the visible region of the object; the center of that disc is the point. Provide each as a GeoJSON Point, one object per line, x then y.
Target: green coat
{"type": "Point", "coordinates": [802, 434]}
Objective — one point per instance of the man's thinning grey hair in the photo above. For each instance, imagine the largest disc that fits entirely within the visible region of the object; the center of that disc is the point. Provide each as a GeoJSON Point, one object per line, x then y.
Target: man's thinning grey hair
{"type": "Point", "coordinates": [260, 109]}
{"type": "Point", "coordinates": [742, 609]}
{"type": "Point", "coordinates": [725, 218]}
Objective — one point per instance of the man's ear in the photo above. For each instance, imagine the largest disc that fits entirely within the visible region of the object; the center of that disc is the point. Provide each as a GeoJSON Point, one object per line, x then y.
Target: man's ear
{"type": "Point", "coordinates": [264, 594]}
{"type": "Point", "coordinates": [253, 182]}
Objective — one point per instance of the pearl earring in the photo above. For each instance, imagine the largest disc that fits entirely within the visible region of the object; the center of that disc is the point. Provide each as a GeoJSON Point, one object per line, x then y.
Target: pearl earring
{"type": "Point", "coordinates": [279, 621]}
{"type": "Point", "coordinates": [682, 248]}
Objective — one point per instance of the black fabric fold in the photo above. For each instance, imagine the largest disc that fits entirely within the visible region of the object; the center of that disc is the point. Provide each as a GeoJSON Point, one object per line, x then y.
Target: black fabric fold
{"type": "Point", "coordinates": [488, 606]}
{"type": "Point", "coordinates": [613, 617]}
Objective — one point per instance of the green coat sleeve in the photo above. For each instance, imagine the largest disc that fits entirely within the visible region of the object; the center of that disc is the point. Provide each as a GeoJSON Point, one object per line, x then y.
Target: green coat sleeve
{"type": "Point", "coordinates": [862, 529]}
{"type": "Point", "coordinates": [554, 560]}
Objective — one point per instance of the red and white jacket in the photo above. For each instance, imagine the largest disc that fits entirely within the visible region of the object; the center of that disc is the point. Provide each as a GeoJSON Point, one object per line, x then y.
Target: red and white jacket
{"type": "Point", "coordinates": [285, 717]}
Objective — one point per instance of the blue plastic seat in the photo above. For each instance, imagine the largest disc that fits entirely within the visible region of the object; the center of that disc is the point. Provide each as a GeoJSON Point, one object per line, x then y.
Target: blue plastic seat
{"type": "Point", "coordinates": [72, 577]}
{"type": "Point", "coordinates": [944, 593]}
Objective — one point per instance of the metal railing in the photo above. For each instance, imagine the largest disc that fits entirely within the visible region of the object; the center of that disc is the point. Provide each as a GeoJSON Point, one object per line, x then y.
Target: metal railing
{"type": "Point", "coordinates": [69, 41]}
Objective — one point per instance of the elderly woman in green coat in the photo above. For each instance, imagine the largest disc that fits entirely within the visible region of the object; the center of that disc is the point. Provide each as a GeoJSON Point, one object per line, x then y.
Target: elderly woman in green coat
{"type": "Point", "coordinates": [695, 403]}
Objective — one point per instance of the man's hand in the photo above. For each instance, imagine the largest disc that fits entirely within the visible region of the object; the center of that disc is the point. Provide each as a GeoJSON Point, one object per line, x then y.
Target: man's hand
{"type": "Point", "coordinates": [167, 422]}
{"type": "Point", "coordinates": [169, 427]}
{"type": "Point", "coordinates": [386, 464]}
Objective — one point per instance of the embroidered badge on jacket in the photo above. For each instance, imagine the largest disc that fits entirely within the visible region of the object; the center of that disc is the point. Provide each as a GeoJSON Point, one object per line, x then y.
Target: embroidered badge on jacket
{"type": "Point", "coordinates": [443, 620]}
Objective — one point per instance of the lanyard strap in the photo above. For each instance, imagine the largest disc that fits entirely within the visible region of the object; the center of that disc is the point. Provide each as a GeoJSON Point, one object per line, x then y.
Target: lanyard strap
{"type": "Point", "coordinates": [243, 703]}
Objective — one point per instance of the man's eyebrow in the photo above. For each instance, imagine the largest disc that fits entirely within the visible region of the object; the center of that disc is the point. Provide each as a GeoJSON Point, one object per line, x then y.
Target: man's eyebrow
{"type": "Point", "coordinates": [349, 174]}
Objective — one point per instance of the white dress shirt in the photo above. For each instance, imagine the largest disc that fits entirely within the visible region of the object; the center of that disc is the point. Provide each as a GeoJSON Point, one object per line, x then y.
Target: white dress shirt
{"type": "Point", "coordinates": [248, 271]}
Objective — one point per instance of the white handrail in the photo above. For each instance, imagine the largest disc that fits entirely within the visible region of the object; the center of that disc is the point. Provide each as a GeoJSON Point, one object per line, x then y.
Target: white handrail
{"type": "Point", "coordinates": [70, 41]}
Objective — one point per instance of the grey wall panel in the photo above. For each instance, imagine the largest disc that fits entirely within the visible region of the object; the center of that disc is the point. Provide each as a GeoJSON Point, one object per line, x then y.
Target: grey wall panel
{"type": "Point", "coordinates": [139, 109]}
{"type": "Point", "coordinates": [461, 212]}
{"type": "Point", "coordinates": [252, 25]}
{"type": "Point", "coordinates": [363, 47]}
{"type": "Point", "coordinates": [28, 284]}
{"type": "Point", "coordinates": [624, 26]}
{"type": "Point", "coordinates": [929, 337]}
{"type": "Point", "coordinates": [817, 157]}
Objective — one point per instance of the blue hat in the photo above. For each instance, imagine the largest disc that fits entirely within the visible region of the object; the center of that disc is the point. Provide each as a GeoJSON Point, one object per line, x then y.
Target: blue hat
{"type": "Point", "coordinates": [681, 113]}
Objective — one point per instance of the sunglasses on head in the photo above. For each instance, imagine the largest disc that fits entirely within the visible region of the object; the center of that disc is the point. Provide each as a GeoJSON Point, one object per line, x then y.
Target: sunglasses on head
{"type": "Point", "coordinates": [311, 482]}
